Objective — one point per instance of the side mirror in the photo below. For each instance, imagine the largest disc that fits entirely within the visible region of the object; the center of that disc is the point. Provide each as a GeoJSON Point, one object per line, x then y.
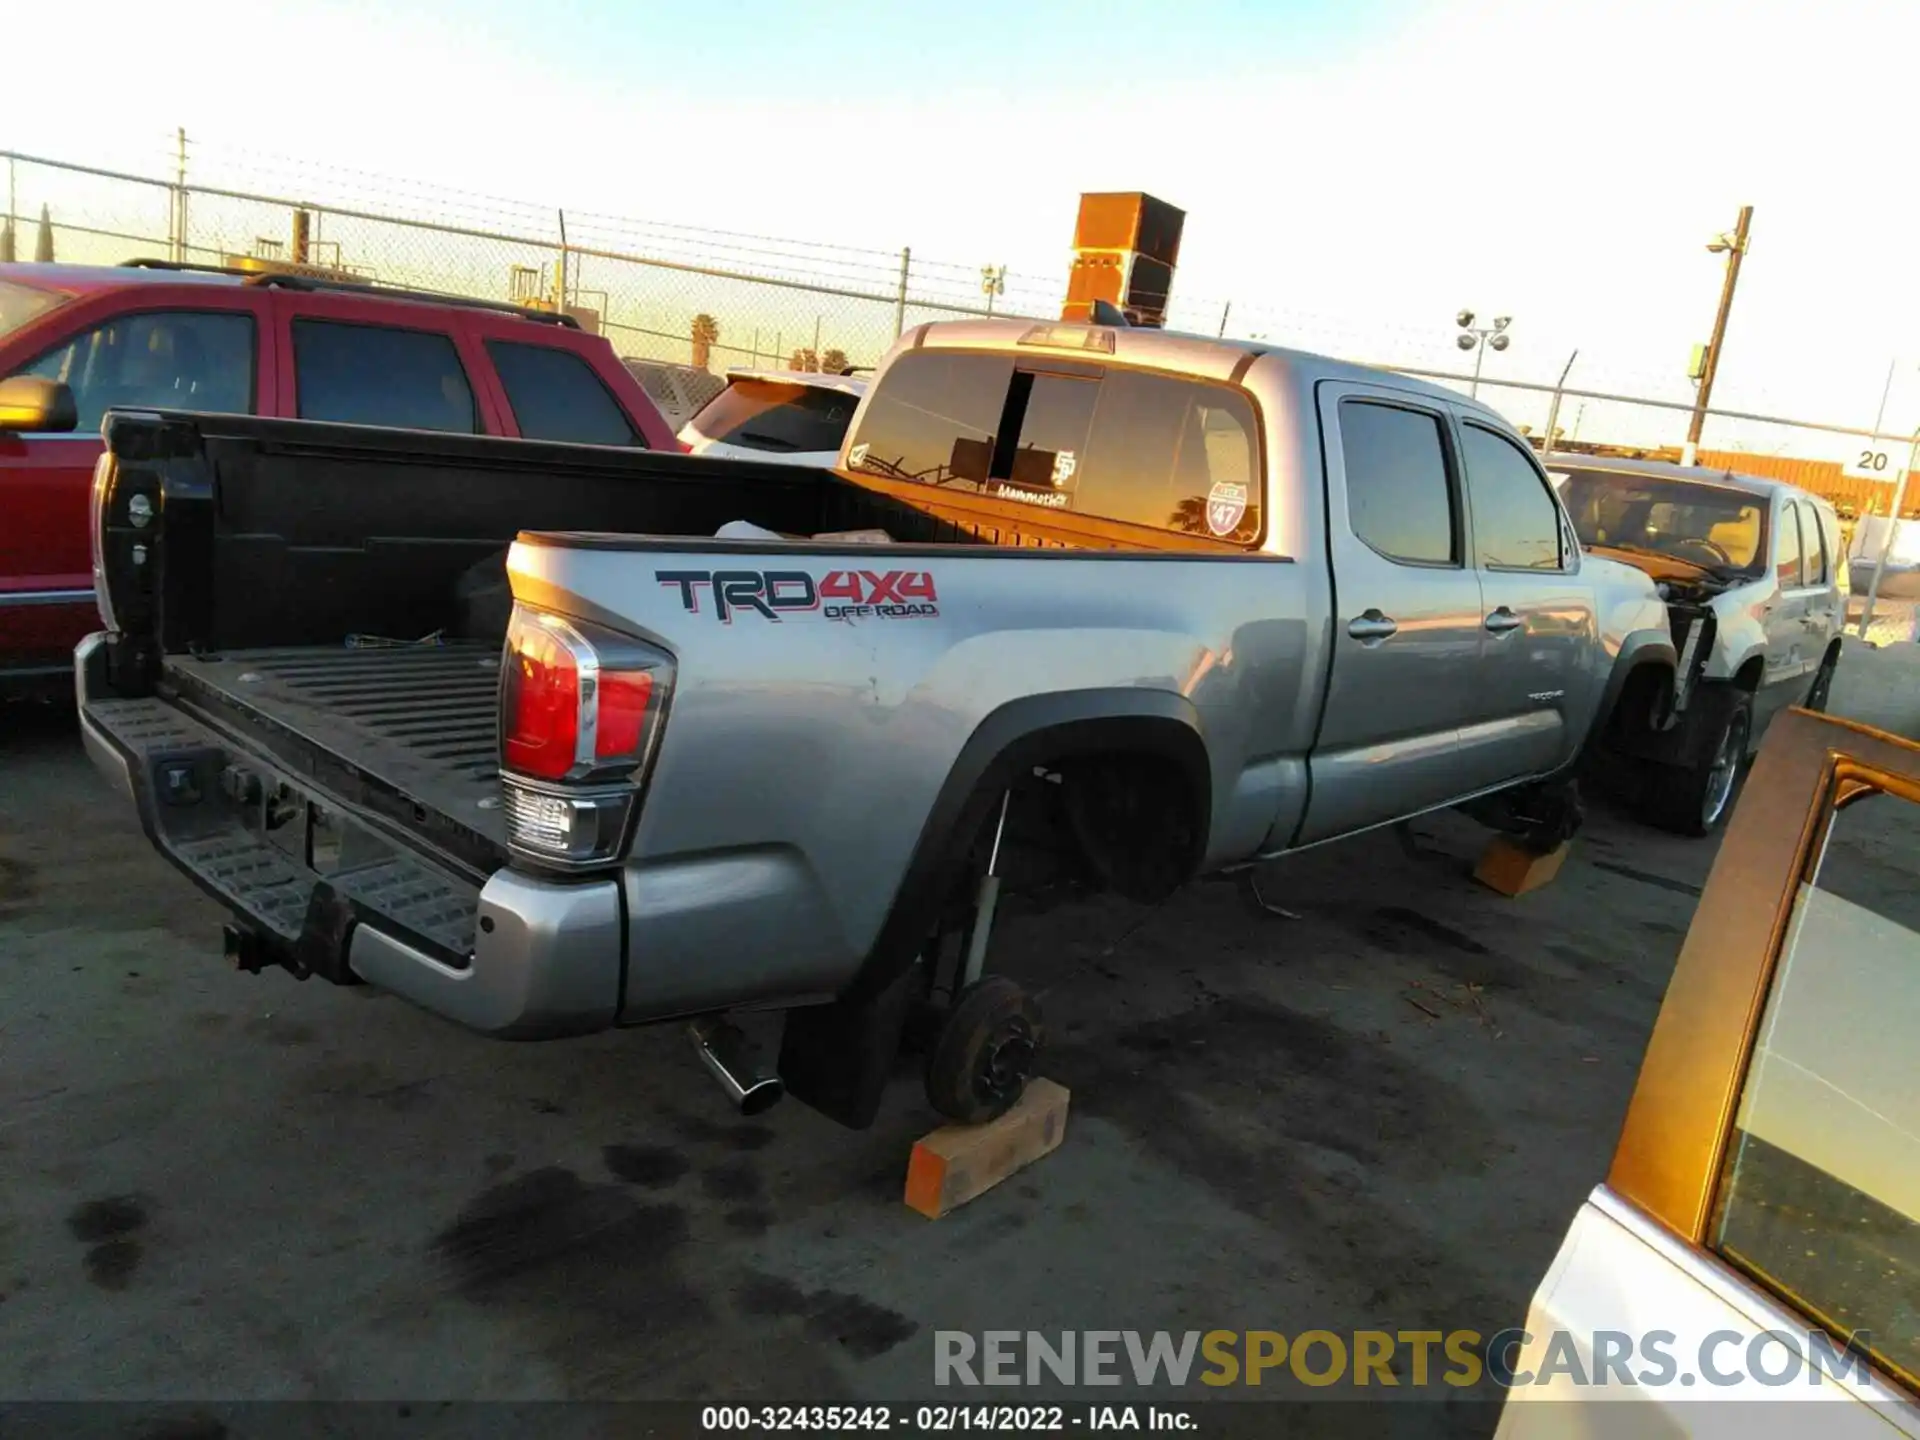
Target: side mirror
{"type": "Point", "coordinates": [29, 403]}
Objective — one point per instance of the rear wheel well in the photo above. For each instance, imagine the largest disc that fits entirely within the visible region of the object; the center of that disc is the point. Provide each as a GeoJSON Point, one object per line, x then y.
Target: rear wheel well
{"type": "Point", "coordinates": [1069, 781]}
{"type": "Point", "coordinates": [1748, 676]}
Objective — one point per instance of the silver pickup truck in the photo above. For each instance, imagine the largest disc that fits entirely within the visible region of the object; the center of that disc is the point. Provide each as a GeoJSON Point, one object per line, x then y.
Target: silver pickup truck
{"type": "Point", "coordinates": [1183, 604]}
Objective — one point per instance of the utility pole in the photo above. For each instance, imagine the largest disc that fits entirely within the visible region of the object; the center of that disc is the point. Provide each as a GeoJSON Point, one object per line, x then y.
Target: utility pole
{"type": "Point", "coordinates": [180, 195]}
{"type": "Point", "coordinates": [1736, 247]}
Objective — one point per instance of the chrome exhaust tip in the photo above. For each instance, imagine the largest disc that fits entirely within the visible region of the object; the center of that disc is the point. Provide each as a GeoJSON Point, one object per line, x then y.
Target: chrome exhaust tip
{"type": "Point", "coordinates": [735, 1062]}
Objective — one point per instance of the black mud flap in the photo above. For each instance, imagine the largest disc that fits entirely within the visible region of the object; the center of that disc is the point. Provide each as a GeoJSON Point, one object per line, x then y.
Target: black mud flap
{"type": "Point", "coordinates": [837, 1057]}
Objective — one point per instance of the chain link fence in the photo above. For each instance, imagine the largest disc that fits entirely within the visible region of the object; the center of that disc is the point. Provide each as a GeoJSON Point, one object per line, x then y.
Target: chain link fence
{"type": "Point", "coordinates": [711, 300]}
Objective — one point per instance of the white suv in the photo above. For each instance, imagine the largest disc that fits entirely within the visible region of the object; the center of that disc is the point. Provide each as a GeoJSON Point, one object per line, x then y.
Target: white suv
{"type": "Point", "coordinates": [1765, 560]}
{"type": "Point", "coordinates": [795, 417]}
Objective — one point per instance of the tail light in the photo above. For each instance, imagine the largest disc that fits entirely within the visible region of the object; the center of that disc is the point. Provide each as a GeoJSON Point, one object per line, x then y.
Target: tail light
{"type": "Point", "coordinates": [580, 709]}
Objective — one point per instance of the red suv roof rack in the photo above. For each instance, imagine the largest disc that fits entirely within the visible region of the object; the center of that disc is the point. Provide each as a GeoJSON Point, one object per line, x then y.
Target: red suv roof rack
{"type": "Point", "coordinates": [282, 280]}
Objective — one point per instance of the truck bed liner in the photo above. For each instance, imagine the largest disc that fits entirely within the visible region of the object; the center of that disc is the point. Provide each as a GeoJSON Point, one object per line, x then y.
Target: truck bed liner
{"type": "Point", "coordinates": [421, 720]}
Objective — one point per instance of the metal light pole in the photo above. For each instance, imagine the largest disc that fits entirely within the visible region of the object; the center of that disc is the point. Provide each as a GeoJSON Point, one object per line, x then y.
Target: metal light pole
{"type": "Point", "coordinates": [1733, 246]}
{"type": "Point", "coordinates": [1479, 339]}
{"type": "Point", "coordinates": [993, 281]}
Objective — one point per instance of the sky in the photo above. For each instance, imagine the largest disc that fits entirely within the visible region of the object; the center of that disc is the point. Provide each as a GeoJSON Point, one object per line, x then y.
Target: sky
{"type": "Point", "coordinates": [1352, 169]}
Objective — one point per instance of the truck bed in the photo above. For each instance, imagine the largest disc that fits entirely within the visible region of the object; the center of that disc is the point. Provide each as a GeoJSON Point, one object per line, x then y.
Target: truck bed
{"type": "Point", "coordinates": [415, 725]}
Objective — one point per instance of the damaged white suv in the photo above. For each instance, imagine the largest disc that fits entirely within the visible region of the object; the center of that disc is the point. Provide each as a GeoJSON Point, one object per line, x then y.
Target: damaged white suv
{"type": "Point", "coordinates": [1756, 580]}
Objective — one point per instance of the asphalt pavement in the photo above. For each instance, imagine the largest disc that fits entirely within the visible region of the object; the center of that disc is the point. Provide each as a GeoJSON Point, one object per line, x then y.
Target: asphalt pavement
{"type": "Point", "coordinates": [1379, 1114]}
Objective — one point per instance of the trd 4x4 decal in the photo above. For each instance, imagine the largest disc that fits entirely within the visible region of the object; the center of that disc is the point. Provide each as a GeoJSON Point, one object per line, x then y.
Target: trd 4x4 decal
{"type": "Point", "coordinates": [838, 595]}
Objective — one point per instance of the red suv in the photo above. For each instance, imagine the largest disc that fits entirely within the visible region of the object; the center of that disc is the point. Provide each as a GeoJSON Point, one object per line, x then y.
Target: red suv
{"type": "Point", "coordinates": [76, 341]}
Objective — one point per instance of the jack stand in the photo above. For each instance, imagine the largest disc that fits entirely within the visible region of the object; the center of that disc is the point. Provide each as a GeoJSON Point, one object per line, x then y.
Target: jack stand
{"type": "Point", "coordinates": [971, 961]}
{"type": "Point", "coordinates": [1250, 887]}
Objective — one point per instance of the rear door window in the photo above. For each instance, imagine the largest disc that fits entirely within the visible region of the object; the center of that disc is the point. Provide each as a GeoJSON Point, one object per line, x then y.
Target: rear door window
{"type": "Point", "coordinates": [556, 396]}
{"type": "Point", "coordinates": [381, 375]}
{"type": "Point", "coordinates": [157, 359]}
{"type": "Point", "coordinates": [1399, 498]}
{"type": "Point", "coordinates": [780, 417]}
{"type": "Point", "coordinates": [1819, 559]}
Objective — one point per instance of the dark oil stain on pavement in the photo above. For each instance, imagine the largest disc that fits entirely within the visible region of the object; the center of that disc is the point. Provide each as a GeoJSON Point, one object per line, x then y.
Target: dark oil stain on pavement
{"type": "Point", "coordinates": [549, 1220]}
{"type": "Point", "coordinates": [18, 884]}
{"type": "Point", "coordinates": [1426, 925]}
{"type": "Point", "coordinates": [750, 1221]}
{"type": "Point", "coordinates": [190, 1426]}
{"type": "Point", "coordinates": [109, 1225]}
{"type": "Point", "coordinates": [734, 1182]}
{"type": "Point", "coordinates": [108, 1218]}
{"type": "Point", "coordinates": [655, 1166]}
{"type": "Point", "coordinates": [860, 1327]}
{"type": "Point", "coordinates": [609, 1287]}
{"type": "Point", "coordinates": [276, 1031]}
{"type": "Point", "coordinates": [111, 1264]}
{"type": "Point", "coordinates": [1646, 877]}
{"type": "Point", "coordinates": [702, 1131]}
{"type": "Point", "coordinates": [1306, 1127]}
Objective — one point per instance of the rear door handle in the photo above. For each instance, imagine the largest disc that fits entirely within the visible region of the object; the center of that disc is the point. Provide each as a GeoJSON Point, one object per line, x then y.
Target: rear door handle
{"type": "Point", "coordinates": [1503, 620]}
{"type": "Point", "coordinates": [1371, 627]}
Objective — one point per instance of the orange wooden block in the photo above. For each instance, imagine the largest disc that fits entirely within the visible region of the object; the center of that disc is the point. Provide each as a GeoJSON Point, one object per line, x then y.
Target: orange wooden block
{"type": "Point", "coordinates": [1514, 870]}
{"type": "Point", "coordinates": [959, 1162]}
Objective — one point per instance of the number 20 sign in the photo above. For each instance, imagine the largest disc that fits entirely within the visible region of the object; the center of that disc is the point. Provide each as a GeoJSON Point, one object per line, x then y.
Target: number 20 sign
{"type": "Point", "coordinates": [1874, 460]}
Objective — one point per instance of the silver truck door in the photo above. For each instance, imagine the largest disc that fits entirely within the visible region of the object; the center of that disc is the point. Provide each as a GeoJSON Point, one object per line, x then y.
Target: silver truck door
{"type": "Point", "coordinates": [1407, 619]}
{"type": "Point", "coordinates": [1542, 635]}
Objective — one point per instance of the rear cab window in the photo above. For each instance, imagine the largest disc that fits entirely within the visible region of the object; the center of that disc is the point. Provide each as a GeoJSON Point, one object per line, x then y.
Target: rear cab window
{"type": "Point", "coordinates": [367, 374]}
{"type": "Point", "coordinates": [1156, 451]}
{"type": "Point", "coordinates": [780, 417]}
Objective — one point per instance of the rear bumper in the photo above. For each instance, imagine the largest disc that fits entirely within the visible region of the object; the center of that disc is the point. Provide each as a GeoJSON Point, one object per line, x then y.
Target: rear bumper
{"type": "Point", "coordinates": [516, 956]}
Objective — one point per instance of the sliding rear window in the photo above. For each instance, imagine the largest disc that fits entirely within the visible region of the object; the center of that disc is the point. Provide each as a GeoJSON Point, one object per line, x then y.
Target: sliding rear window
{"type": "Point", "coordinates": [778, 417]}
{"type": "Point", "coordinates": [1163, 452]}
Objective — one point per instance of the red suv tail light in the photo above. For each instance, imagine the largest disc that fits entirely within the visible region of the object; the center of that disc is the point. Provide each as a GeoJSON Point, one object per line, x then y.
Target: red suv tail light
{"type": "Point", "coordinates": [579, 710]}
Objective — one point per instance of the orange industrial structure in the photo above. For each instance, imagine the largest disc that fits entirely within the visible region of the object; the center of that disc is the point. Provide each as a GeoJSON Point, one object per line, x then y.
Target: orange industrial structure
{"type": "Point", "coordinates": [1822, 477]}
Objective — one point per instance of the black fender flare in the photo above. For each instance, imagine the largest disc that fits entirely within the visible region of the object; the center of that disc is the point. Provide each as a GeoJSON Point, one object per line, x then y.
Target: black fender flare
{"type": "Point", "coordinates": [1641, 649]}
{"type": "Point", "coordinates": [1007, 743]}
{"type": "Point", "coordinates": [836, 1057]}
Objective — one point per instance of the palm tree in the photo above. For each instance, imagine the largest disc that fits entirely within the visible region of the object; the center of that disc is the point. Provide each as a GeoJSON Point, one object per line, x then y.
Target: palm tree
{"type": "Point", "coordinates": [43, 244]}
{"type": "Point", "coordinates": [835, 362]}
{"type": "Point", "coordinates": [706, 334]}
{"type": "Point", "coordinates": [804, 360]}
